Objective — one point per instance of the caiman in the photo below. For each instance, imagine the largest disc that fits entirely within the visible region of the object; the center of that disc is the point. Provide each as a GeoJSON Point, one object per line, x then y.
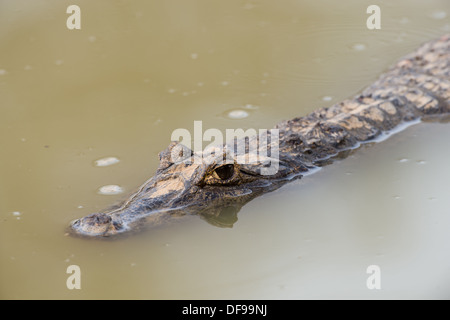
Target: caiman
{"type": "Point", "coordinates": [414, 89]}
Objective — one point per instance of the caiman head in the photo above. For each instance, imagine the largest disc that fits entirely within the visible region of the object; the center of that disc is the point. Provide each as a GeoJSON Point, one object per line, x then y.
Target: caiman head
{"type": "Point", "coordinates": [213, 184]}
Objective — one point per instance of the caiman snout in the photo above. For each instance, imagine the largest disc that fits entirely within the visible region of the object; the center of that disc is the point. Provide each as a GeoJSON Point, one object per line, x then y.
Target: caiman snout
{"type": "Point", "coordinates": [95, 224]}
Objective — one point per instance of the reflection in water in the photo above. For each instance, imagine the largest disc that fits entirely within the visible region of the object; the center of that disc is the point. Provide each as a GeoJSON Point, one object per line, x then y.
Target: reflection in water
{"type": "Point", "coordinates": [224, 218]}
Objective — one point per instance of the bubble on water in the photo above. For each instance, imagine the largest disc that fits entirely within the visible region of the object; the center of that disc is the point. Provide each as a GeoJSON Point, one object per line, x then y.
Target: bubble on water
{"type": "Point", "coordinates": [194, 56]}
{"type": "Point", "coordinates": [358, 47]}
{"type": "Point", "coordinates": [200, 84]}
{"type": "Point", "coordinates": [17, 214]}
{"type": "Point", "coordinates": [248, 6]}
{"type": "Point", "coordinates": [110, 189]}
{"type": "Point", "coordinates": [404, 20]}
{"type": "Point", "coordinates": [92, 38]}
{"type": "Point", "coordinates": [327, 98]}
{"type": "Point", "coordinates": [224, 83]}
{"type": "Point", "coordinates": [80, 207]}
{"type": "Point", "coordinates": [3, 72]}
{"type": "Point", "coordinates": [438, 15]}
{"type": "Point", "coordinates": [421, 162]}
{"type": "Point", "coordinates": [403, 160]}
{"type": "Point", "coordinates": [59, 62]}
{"type": "Point", "coordinates": [171, 90]}
{"type": "Point", "coordinates": [400, 37]}
{"type": "Point", "coordinates": [103, 162]}
{"type": "Point", "coordinates": [262, 24]}
{"type": "Point", "coordinates": [317, 60]}
{"type": "Point", "coordinates": [27, 67]}
{"type": "Point", "coordinates": [251, 107]}
{"type": "Point", "coordinates": [237, 114]}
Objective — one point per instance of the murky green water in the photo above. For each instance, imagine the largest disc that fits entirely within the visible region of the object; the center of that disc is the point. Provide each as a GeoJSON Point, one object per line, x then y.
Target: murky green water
{"type": "Point", "coordinates": [136, 71]}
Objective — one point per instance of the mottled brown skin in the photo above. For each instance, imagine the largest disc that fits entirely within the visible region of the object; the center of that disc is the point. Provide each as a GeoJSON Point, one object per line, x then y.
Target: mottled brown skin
{"type": "Point", "coordinates": [417, 87]}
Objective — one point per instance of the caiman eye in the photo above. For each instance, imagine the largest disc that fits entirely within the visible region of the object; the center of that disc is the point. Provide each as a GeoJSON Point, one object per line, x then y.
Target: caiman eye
{"type": "Point", "coordinates": [225, 172]}
{"type": "Point", "coordinates": [223, 175]}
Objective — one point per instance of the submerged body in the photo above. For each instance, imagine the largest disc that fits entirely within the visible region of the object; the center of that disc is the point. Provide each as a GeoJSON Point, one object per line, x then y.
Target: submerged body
{"type": "Point", "coordinates": [417, 87]}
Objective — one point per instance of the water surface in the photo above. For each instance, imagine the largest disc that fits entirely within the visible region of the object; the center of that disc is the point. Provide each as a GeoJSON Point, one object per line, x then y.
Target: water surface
{"type": "Point", "coordinates": [136, 71]}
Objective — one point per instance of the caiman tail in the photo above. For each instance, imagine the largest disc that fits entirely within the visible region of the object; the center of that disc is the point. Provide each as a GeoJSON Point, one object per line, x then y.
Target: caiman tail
{"type": "Point", "coordinates": [417, 87]}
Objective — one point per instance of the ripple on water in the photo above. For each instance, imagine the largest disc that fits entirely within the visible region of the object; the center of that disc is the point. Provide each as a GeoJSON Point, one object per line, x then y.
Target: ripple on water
{"type": "Point", "coordinates": [110, 189]}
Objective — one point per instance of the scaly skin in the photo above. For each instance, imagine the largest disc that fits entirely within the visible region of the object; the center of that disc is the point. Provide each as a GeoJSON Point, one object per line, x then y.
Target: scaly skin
{"type": "Point", "coordinates": [417, 87]}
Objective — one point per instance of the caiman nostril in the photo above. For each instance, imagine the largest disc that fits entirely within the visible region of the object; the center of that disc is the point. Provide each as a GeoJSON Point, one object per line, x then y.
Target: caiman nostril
{"type": "Point", "coordinates": [93, 224]}
{"type": "Point", "coordinates": [98, 218]}
{"type": "Point", "coordinates": [95, 220]}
